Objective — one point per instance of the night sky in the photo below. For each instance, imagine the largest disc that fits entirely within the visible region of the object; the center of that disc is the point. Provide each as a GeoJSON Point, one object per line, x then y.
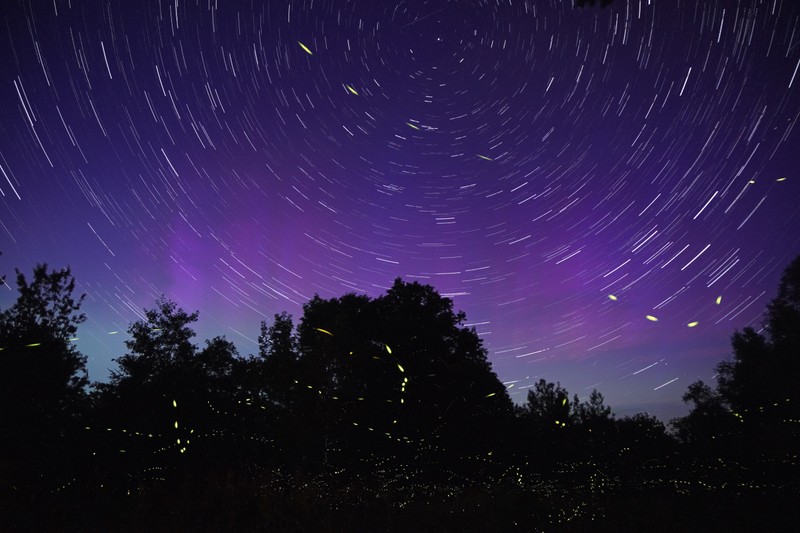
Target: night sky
{"type": "Point", "coordinates": [567, 175]}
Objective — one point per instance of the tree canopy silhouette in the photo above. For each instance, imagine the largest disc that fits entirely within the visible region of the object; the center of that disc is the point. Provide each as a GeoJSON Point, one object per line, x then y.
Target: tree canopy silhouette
{"type": "Point", "coordinates": [757, 395]}
{"type": "Point", "coordinates": [171, 399]}
{"type": "Point", "coordinates": [42, 383]}
{"type": "Point", "coordinates": [401, 364]}
{"type": "Point", "coordinates": [380, 413]}
{"type": "Point", "coordinates": [43, 374]}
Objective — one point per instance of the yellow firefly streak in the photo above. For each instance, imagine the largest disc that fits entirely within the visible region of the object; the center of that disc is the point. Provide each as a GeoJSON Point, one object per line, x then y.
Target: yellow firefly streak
{"type": "Point", "coordinates": [612, 297]}
{"type": "Point", "coordinates": [304, 47]}
{"type": "Point", "coordinates": [325, 331]}
{"type": "Point", "coordinates": [651, 318]}
{"type": "Point", "coordinates": [719, 300]}
{"type": "Point", "coordinates": [781, 179]}
{"type": "Point", "coordinates": [692, 324]}
{"type": "Point", "coordinates": [413, 126]}
{"type": "Point", "coordinates": [351, 90]}
{"type": "Point", "coordinates": [484, 157]}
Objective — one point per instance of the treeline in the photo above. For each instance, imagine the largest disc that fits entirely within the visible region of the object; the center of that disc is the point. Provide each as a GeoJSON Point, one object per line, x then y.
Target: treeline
{"type": "Point", "coordinates": [372, 414]}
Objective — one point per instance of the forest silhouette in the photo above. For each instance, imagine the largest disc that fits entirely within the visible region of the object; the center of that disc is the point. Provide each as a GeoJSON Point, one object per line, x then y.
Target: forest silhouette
{"type": "Point", "coordinates": [374, 414]}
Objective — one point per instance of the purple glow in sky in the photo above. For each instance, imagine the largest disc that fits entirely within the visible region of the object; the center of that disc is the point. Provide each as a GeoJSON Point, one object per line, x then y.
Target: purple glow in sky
{"type": "Point", "coordinates": [560, 172]}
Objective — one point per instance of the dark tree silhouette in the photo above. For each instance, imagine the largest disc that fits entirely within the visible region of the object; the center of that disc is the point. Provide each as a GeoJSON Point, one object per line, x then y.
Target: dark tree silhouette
{"type": "Point", "coordinates": [42, 382]}
{"type": "Point", "coordinates": [595, 430]}
{"type": "Point", "coordinates": [453, 396]}
{"type": "Point", "coordinates": [373, 414]}
{"type": "Point", "coordinates": [277, 344]}
{"type": "Point", "coordinates": [160, 342]}
{"type": "Point", "coordinates": [761, 382]}
{"type": "Point", "coordinates": [757, 395]}
{"type": "Point", "coordinates": [171, 406]}
{"type": "Point", "coordinates": [591, 412]}
{"type": "Point", "coordinates": [642, 442]}
{"type": "Point", "coordinates": [708, 427]}
{"type": "Point", "coordinates": [157, 371]}
{"type": "Point", "coordinates": [546, 424]}
{"type": "Point", "coordinates": [401, 364]}
{"type": "Point", "coordinates": [278, 351]}
{"type": "Point", "coordinates": [548, 406]}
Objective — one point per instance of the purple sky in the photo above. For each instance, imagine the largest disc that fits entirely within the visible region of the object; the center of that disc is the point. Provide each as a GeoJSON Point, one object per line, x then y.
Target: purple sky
{"type": "Point", "coordinates": [528, 159]}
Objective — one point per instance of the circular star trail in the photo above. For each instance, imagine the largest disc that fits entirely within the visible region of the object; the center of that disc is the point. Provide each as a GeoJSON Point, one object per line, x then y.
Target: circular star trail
{"type": "Point", "coordinates": [606, 192]}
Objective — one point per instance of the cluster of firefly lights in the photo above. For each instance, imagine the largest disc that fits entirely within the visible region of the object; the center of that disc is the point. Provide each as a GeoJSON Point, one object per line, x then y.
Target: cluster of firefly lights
{"type": "Point", "coordinates": [596, 482]}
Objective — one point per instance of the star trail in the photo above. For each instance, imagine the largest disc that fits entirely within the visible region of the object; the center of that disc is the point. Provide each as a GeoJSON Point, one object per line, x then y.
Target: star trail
{"type": "Point", "coordinates": [607, 192]}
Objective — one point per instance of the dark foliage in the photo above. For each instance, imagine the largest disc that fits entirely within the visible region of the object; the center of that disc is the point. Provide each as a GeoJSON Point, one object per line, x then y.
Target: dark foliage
{"type": "Point", "coordinates": [42, 388]}
{"type": "Point", "coordinates": [753, 413]}
{"type": "Point", "coordinates": [373, 414]}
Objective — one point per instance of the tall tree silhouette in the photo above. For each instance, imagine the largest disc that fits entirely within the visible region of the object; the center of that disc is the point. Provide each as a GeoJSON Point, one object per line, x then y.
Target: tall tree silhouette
{"type": "Point", "coordinates": [278, 352]}
{"type": "Point", "coordinates": [42, 382]}
{"type": "Point", "coordinates": [178, 395]}
{"type": "Point", "coordinates": [146, 395]}
{"type": "Point", "coordinates": [757, 395]}
{"type": "Point", "coordinates": [158, 343]}
{"type": "Point", "coordinates": [401, 364]}
{"type": "Point", "coordinates": [710, 426]}
{"type": "Point", "coordinates": [548, 405]}
{"type": "Point", "coordinates": [547, 419]}
{"type": "Point", "coordinates": [594, 425]}
{"type": "Point", "coordinates": [642, 442]}
{"type": "Point", "coordinates": [452, 393]}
